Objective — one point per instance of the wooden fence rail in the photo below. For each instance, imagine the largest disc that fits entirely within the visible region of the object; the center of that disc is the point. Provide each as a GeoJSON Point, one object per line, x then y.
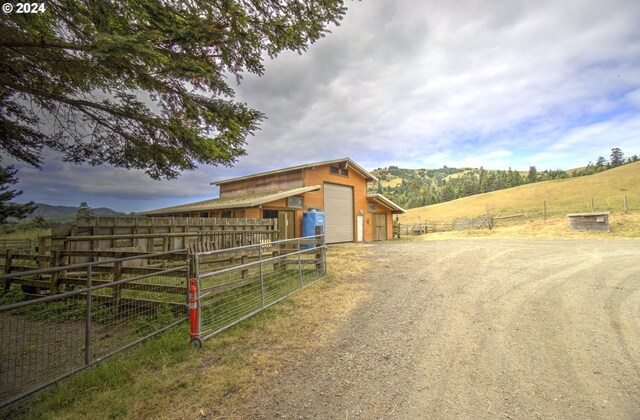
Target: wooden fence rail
{"type": "Point", "coordinates": [19, 263]}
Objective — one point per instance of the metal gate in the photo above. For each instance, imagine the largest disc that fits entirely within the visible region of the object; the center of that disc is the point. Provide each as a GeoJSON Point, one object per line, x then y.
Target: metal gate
{"type": "Point", "coordinates": [234, 284]}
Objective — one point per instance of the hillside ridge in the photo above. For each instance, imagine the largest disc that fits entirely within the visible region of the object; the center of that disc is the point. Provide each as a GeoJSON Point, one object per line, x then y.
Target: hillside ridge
{"type": "Point", "coordinates": [608, 190]}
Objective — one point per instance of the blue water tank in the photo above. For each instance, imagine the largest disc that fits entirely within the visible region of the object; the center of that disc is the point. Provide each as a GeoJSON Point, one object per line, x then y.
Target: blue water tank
{"type": "Point", "coordinates": [312, 224]}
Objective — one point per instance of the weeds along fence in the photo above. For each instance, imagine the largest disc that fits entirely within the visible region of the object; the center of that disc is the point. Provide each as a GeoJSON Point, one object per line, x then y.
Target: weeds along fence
{"type": "Point", "coordinates": [18, 245]}
{"type": "Point", "coordinates": [234, 284]}
{"type": "Point", "coordinates": [107, 307]}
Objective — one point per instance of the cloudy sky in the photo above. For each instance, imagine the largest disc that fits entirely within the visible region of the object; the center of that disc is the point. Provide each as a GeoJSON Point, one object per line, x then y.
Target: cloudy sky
{"type": "Point", "coordinates": [419, 84]}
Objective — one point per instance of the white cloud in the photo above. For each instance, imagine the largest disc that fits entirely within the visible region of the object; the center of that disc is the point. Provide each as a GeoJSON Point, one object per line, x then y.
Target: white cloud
{"type": "Point", "coordinates": [412, 83]}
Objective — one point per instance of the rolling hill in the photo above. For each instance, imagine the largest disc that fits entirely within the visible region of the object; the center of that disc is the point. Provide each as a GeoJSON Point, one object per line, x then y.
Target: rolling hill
{"type": "Point", "coordinates": [67, 212]}
{"type": "Point", "coordinates": [412, 188]}
{"type": "Point", "coordinates": [563, 196]}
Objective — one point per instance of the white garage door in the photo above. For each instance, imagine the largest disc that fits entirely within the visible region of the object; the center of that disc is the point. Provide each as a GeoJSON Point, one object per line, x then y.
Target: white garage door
{"type": "Point", "coordinates": [338, 210]}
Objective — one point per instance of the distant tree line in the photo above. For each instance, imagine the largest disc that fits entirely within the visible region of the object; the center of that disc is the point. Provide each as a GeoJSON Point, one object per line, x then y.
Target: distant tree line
{"type": "Point", "coordinates": [431, 186]}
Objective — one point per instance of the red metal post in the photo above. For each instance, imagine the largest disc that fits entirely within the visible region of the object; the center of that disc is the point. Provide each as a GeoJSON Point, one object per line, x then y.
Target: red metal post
{"type": "Point", "coordinates": [193, 307]}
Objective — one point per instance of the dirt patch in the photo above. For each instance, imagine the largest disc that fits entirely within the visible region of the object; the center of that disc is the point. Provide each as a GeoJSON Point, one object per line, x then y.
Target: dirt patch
{"type": "Point", "coordinates": [472, 328]}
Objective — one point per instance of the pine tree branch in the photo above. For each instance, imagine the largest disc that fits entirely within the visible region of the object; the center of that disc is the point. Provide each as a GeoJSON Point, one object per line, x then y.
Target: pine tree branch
{"type": "Point", "coordinates": [43, 43]}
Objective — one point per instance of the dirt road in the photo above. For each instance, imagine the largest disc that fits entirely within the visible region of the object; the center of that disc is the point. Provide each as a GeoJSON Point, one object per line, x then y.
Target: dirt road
{"type": "Point", "coordinates": [478, 328]}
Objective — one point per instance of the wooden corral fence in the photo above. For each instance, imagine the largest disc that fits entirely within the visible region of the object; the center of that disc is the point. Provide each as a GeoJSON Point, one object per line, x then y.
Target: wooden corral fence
{"type": "Point", "coordinates": [53, 282]}
{"type": "Point", "coordinates": [160, 234]}
{"type": "Point", "coordinates": [100, 238]}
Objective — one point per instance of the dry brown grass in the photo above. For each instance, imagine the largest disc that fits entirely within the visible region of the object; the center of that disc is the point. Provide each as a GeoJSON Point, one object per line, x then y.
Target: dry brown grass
{"type": "Point", "coordinates": [563, 196]}
{"type": "Point", "coordinates": [622, 226]}
{"type": "Point", "coordinates": [300, 325]}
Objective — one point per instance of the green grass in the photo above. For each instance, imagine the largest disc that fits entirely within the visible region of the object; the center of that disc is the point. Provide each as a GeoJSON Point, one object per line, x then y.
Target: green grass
{"type": "Point", "coordinates": [608, 190]}
{"type": "Point", "coordinates": [110, 384]}
{"type": "Point", "coordinates": [32, 234]}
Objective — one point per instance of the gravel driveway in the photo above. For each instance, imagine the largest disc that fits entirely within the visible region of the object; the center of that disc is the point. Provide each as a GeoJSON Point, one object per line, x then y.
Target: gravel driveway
{"type": "Point", "coordinates": [512, 328]}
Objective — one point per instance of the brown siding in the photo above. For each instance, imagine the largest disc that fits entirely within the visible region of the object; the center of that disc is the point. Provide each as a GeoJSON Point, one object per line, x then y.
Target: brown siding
{"type": "Point", "coordinates": [253, 213]}
{"type": "Point", "coordinates": [320, 175]}
{"type": "Point", "coordinates": [274, 182]}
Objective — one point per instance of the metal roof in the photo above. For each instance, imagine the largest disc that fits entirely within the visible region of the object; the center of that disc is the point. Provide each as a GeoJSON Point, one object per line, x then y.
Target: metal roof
{"type": "Point", "coordinates": [238, 201]}
{"type": "Point", "coordinates": [386, 202]}
{"type": "Point", "coordinates": [350, 163]}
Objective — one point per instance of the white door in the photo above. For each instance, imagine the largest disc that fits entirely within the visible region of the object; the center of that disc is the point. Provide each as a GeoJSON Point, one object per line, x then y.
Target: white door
{"type": "Point", "coordinates": [338, 213]}
{"type": "Point", "coordinates": [360, 225]}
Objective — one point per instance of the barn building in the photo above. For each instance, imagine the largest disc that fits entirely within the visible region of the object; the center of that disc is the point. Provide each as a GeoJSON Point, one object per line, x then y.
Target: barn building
{"type": "Point", "coordinates": [336, 187]}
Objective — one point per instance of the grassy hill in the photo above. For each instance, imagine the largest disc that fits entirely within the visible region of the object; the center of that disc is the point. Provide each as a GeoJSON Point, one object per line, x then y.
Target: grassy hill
{"type": "Point", "coordinates": [67, 212]}
{"type": "Point", "coordinates": [563, 196]}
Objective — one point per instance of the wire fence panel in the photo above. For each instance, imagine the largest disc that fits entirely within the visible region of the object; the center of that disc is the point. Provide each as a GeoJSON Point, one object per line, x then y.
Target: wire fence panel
{"type": "Point", "coordinates": [107, 306]}
{"type": "Point", "coordinates": [237, 283]}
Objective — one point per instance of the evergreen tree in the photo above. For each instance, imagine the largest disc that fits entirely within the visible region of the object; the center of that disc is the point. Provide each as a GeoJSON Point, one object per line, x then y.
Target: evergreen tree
{"type": "Point", "coordinates": [532, 176]}
{"type": "Point", "coordinates": [142, 84]}
{"type": "Point", "coordinates": [7, 209]}
{"type": "Point", "coordinates": [616, 158]}
{"type": "Point", "coordinates": [39, 222]}
{"type": "Point", "coordinates": [84, 211]}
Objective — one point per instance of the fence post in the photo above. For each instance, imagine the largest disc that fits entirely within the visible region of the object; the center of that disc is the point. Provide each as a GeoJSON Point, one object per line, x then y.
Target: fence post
{"type": "Point", "coordinates": [55, 276]}
{"type": "Point", "coordinates": [626, 209]}
{"type": "Point", "coordinates": [261, 277]}
{"type": "Point", "coordinates": [593, 207]}
{"type": "Point", "coordinates": [545, 210]}
{"type": "Point", "coordinates": [199, 306]}
{"type": "Point", "coordinates": [300, 262]}
{"type": "Point", "coordinates": [8, 256]}
{"type": "Point", "coordinates": [275, 254]}
{"type": "Point", "coordinates": [87, 333]}
{"type": "Point", "coordinates": [117, 290]}
{"type": "Point", "coordinates": [245, 272]}
{"type": "Point", "coordinates": [324, 253]}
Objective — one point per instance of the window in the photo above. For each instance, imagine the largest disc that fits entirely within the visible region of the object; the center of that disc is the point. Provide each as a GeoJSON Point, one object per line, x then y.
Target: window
{"type": "Point", "coordinates": [226, 214]}
{"type": "Point", "coordinates": [371, 206]}
{"type": "Point", "coordinates": [269, 214]}
{"type": "Point", "coordinates": [204, 214]}
{"type": "Point", "coordinates": [294, 202]}
{"type": "Point", "coordinates": [313, 209]}
{"type": "Point", "coordinates": [339, 171]}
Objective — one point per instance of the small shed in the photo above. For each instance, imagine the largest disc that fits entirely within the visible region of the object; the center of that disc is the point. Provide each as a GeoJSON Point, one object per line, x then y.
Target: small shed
{"type": "Point", "coordinates": [596, 221]}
